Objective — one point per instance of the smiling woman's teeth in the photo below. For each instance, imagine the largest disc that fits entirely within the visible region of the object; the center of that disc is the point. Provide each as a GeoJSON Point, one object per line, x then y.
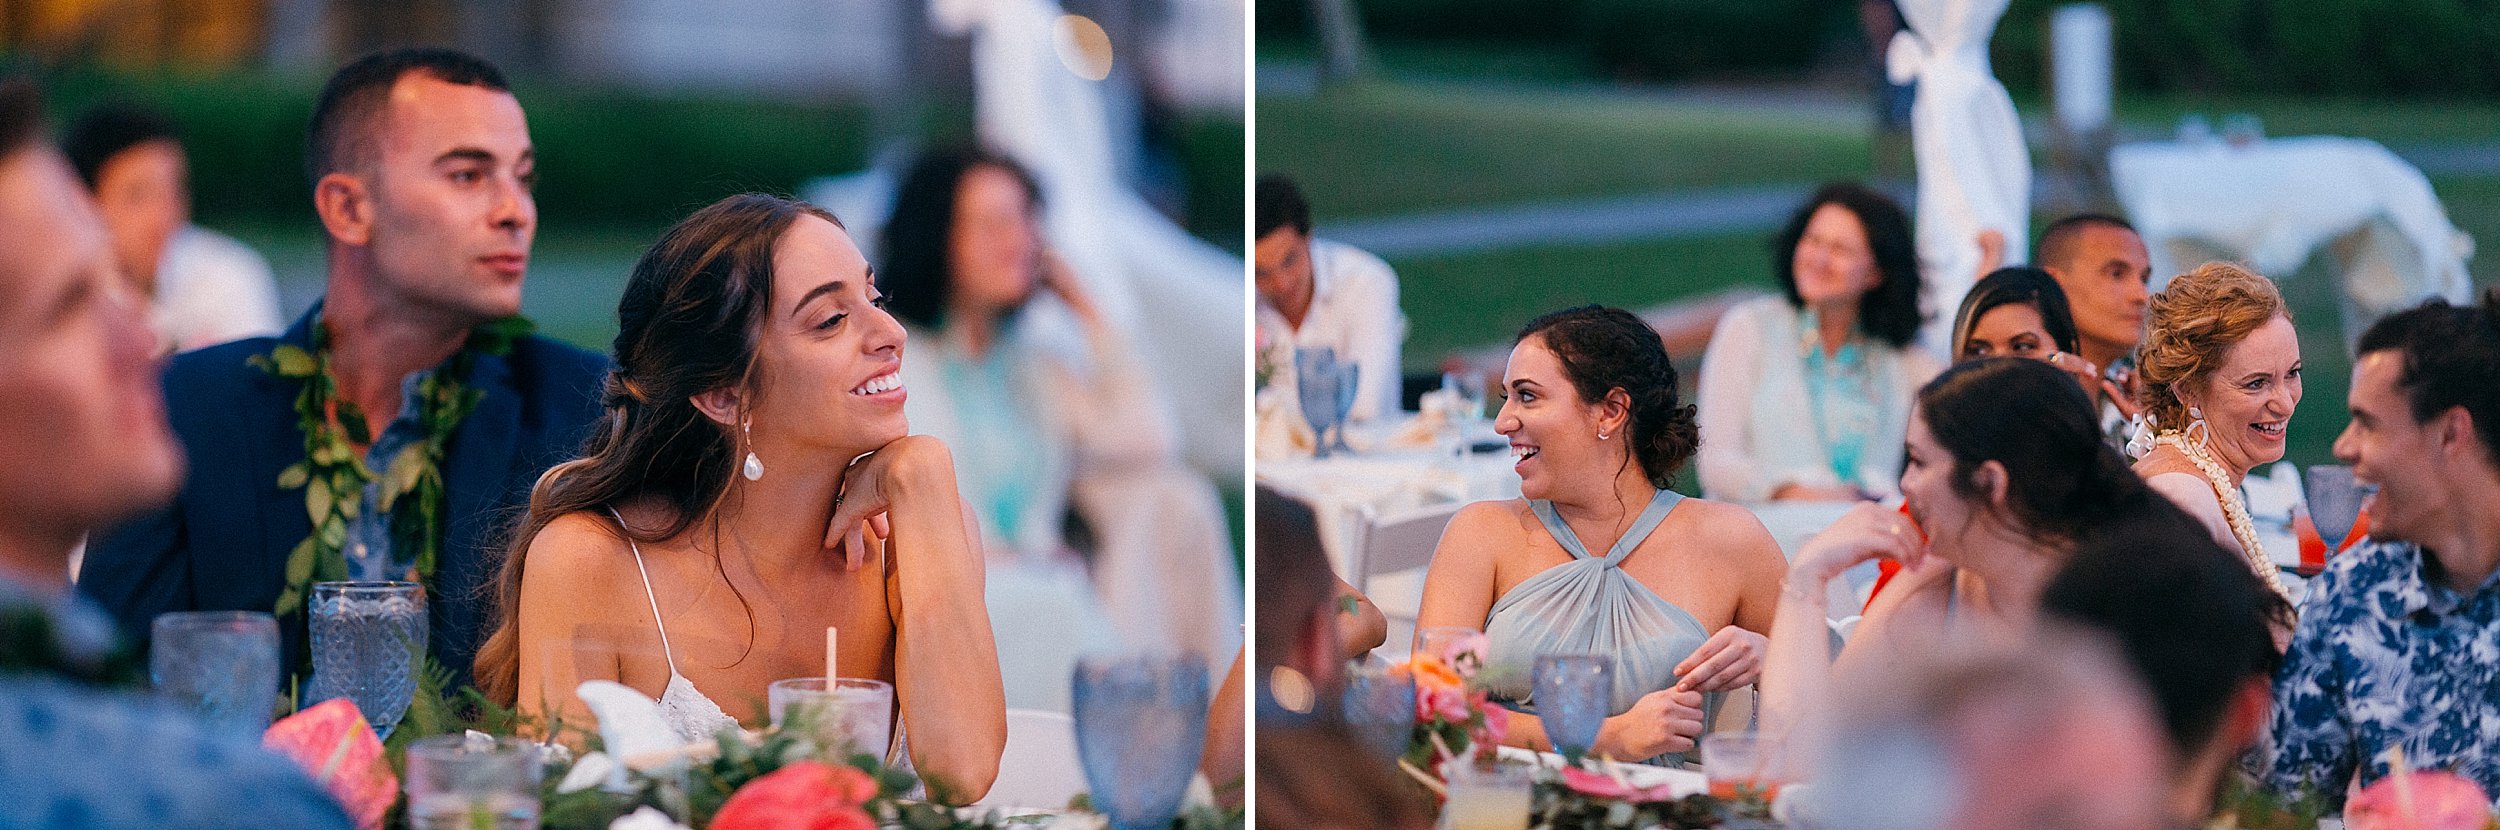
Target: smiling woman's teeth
{"type": "Point", "coordinates": [880, 383]}
{"type": "Point", "coordinates": [1518, 454]}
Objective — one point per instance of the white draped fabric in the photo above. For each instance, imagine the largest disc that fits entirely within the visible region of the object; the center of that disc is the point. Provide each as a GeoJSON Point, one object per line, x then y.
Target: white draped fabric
{"type": "Point", "coordinates": [2272, 203]}
{"type": "Point", "coordinates": [1178, 303]}
{"type": "Point", "coordinates": [1168, 291]}
{"type": "Point", "coordinates": [1974, 172]}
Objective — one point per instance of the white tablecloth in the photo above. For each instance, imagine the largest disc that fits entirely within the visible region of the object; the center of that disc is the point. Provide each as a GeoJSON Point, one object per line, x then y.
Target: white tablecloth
{"type": "Point", "coordinates": [1339, 487]}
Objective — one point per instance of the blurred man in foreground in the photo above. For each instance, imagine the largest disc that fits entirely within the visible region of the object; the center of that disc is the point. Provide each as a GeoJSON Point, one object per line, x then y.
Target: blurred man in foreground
{"type": "Point", "coordinates": [83, 442]}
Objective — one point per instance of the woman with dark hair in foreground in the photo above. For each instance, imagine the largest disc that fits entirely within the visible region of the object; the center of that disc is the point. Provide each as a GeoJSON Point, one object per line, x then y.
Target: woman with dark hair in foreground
{"type": "Point", "coordinates": [2006, 478]}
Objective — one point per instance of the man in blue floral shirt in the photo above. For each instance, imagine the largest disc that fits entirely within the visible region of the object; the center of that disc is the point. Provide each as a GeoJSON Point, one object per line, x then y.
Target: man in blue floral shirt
{"type": "Point", "coordinates": [2399, 641]}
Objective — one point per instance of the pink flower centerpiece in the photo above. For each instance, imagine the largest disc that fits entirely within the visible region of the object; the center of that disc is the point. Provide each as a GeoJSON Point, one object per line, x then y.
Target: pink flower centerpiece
{"type": "Point", "coordinates": [805, 795]}
{"type": "Point", "coordinates": [1452, 718]}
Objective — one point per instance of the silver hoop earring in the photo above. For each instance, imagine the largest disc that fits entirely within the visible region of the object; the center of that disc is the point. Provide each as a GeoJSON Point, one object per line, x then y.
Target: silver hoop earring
{"type": "Point", "coordinates": [754, 466]}
{"type": "Point", "coordinates": [2197, 432]}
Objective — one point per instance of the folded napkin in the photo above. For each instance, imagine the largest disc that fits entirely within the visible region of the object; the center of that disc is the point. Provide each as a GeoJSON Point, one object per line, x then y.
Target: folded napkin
{"type": "Point", "coordinates": [334, 744]}
{"type": "Point", "coordinates": [1281, 434]}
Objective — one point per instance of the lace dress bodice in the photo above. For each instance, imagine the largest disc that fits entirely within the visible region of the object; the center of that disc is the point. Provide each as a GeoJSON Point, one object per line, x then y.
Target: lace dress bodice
{"type": "Point", "coordinates": [686, 710]}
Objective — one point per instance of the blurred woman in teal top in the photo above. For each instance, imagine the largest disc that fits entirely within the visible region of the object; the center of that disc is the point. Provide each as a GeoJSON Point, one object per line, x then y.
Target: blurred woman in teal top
{"type": "Point", "coordinates": [1062, 443]}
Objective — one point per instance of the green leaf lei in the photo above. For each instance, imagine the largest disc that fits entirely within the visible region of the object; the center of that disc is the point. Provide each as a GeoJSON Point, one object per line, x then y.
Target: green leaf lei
{"type": "Point", "coordinates": [333, 474]}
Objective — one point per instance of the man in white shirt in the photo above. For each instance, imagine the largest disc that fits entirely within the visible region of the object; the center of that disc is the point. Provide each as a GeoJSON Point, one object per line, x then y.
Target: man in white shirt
{"type": "Point", "coordinates": [1314, 292]}
{"type": "Point", "coordinates": [203, 288]}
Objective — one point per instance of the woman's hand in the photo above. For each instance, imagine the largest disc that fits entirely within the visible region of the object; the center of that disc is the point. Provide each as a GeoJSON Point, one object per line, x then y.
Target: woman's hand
{"type": "Point", "coordinates": [1667, 720]}
{"type": "Point", "coordinates": [1867, 531]}
{"type": "Point", "coordinates": [1057, 278]}
{"type": "Point", "coordinates": [1729, 659]}
{"type": "Point", "coordinates": [1991, 251]}
{"type": "Point", "coordinates": [911, 463]}
{"type": "Point", "coordinates": [2086, 374]}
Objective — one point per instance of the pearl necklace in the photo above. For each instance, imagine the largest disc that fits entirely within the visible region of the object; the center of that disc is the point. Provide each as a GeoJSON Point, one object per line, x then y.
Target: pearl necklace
{"type": "Point", "coordinates": [2234, 511]}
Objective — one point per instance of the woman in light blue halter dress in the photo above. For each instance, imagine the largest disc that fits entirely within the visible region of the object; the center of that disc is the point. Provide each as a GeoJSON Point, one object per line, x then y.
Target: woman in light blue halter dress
{"type": "Point", "coordinates": [1684, 590]}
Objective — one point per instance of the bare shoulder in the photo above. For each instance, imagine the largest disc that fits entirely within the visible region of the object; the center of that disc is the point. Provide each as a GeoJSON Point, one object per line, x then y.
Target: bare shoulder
{"type": "Point", "coordinates": [1726, 529]}
{"type": "Point", "coordinates": [1496, 517]}
{"type": "Point", "coordinates": [1483, 527]}
{"type": "Point", "coordinates": [2190, 491]}
{"type": "Point", "coordinates": [580, 552]}
{"type": "Point", "coordinates": [1910, 612]}
{"type": "Point", "coordinates": [2164, 460]}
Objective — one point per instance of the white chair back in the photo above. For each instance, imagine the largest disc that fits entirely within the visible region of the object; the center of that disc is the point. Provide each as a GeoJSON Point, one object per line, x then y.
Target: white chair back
{"type": "Point", "coordinates": [1402, 541]}
{"type": "Point", "coordinates": [1039, 769]}
{"type": "Point", "coordinates": [1390, 555]}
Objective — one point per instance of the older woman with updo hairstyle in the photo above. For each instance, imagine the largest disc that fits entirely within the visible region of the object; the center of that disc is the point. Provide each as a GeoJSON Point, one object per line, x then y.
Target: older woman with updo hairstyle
{"type": "Point", "coordinates": [720, 517]}
{"type": "Point", "coordinates": [1803, 396]}
{"type": "Point", "coordinates": [1600, 557]}
{"type": "Point", "coordinates": [2220, 371]}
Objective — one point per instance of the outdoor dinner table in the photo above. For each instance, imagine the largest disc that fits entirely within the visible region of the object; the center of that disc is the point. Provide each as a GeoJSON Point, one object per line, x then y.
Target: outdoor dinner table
{"type": "Point", "coordinates": [1387, 476]}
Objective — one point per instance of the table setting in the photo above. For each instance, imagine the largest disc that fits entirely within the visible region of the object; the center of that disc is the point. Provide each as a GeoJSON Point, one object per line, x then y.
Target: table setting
{"type": "Point", "coordinates": [1452, 747]}
{"type": "Point", "coordinates": [380, 728]}
{"type": "Point", "coordinates": [1445, 453]}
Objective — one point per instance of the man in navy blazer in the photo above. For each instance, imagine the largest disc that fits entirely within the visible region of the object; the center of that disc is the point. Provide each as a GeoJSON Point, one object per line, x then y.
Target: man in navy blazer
{"type": "Point", "coordinates": [422, 168]}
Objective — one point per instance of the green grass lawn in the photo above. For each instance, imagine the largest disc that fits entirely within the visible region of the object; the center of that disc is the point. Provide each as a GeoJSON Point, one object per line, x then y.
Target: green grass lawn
{"type": "Point", "coordinates": [1384, 147]}
{"type": "Point", "coordinates": [1468, 301]}
{"type": "Point", "coordinates": [2389, 122]}
{"type": "Point", "coordinates": [1511, 62]}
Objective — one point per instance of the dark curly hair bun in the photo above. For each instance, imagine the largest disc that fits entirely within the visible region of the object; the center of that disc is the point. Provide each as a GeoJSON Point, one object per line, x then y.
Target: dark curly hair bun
{"type": "Point", "coordinates": [1603, 349]}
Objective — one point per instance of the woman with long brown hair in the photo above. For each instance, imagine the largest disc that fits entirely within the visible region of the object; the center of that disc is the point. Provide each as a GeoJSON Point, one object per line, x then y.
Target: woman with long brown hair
{"type": "Point", "coordinates": [756, 403]}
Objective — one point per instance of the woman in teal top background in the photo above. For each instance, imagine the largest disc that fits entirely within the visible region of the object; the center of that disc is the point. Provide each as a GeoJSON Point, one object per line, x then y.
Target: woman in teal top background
{"type": "Point", "coordinates": [1600, 557]}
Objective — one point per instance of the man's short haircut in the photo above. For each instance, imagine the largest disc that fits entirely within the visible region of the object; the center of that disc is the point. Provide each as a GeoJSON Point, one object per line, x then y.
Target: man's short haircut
{"type": "Point", "coordinates": [104, 132]}
{"type": "Point", "coordinates": [1292, 575]}
{"type": "Point", "coordinates": [2057, 242]}
{"type": "Point", "coordinates": [341, 135]}
{"type": "Point", "coordinates": [21, 114]}
{"type": "Point", "coordinates": [2451, 359]}
{"type": "Point", "coordinates": [1280, 205]}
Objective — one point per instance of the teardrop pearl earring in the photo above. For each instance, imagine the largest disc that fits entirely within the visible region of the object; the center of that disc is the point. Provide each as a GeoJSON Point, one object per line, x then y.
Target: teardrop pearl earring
{"type": "Point", "coordinates": [754, 465]}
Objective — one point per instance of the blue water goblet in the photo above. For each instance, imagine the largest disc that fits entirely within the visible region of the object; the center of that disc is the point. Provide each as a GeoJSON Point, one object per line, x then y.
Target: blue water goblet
{"type": "Point", "coordinates": [368, 645]}
{"type": "Point", "coordinates": [221, 664]}
{"type": "Point", "coordinates": [1140, 723]}
{"type": "Point", "coordinates": [1315, 385]}
{"type": "Point", "coordinates": [2335, 499]}
{"type": "Point", "coordinates": [1380, 705]}
{"type": "Point", "coordinates": [1349, 375]}
{"type": "Point", "coordinates": [1572, 693]}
